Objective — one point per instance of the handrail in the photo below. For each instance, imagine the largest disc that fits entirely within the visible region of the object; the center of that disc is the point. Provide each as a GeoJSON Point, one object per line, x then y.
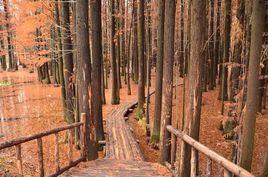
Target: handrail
{"type": "Point", "coordinates": [38, 137]}
{"type": "Point", "coordinates": [229, 166]}
{"type": "Point", "coordinates": [25, 139]}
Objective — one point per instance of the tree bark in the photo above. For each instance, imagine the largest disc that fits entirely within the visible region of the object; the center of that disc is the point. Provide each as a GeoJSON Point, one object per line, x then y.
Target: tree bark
{"type": "Point", "coordinates": [96, 39]}
{"type": "Point", "coordinates": [169, 31]}
{"type": "Point", "coordinates": [155, 136]}
{"type": "Point", "coordinates": [248, 127]}
{"type": "Point", "coordinates": [141, 82]}
{"type": "Point", "coordinates": [265, 166]}
{"type": "Point", "coordinates": [60, 59]}
{"type": "Point", "coordinates": [67, 61]}
{"type": "Point", "coordinates": [226, 47]}
{"type": "Point", "coordinates": [115, 89]}
{"type": "Point", "coordinates": [194, 83]}
{"type": "Point", "coordinates": [135, 44]}
{"type": "Point", "coordinates": [11, 58]}
{"type": "Point", "coordinates": [83, 72]}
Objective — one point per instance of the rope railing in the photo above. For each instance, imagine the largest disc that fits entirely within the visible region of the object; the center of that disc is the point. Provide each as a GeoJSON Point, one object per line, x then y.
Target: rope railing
{"type": "Point", "coordinates": [229, 167]}
{"type": "Point", "coordinates": [17, 143]}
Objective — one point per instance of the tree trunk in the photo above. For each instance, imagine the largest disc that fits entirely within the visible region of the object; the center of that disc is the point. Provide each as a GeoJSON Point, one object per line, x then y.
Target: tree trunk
{"type": "Point", "coordinates": [83, 71]}
{"type": "Point", "coordinates": [155, 136]}
{"type": "Point", "coordinates": [211, 55]}
{"type": "Point", "coordinates": [194, 83]}
{"type": "Point", "coordinates": [217, 5]}
{"type": "Point", "coordinates": [118, 44]}
{"type": "Point", "coordinates": [67, 61]}
{"type": "Point", "coordinates": [169, 31]}
{"type": "Point", "coordinates": [265, 166]}
{"type": "Point", "coordinates": [135, 44]}
{"type": "Point", "coordinates": [96, 39]}
{"type": "Point", "coordinates": [10, 49]}
{"type": "Point", "coordinates": [181, 55]}
{"type": "Point", "coordinates": [148, 69]}
{"type": "Point", "coordinates": [46, 73]}
{"type": "Point", "coordinates": [122, 38]}
{"type": "Point", "coordinates": [60, 59]}
{"type": "Point", "coordinates": [2, 48]}
{"type": "Point", "coordinates": [115, 89]}
{"type": "Point", "coordinates": [226, 47]}
{"type": "Point", "coordinates": [141, 83]}
{"type": "Point", "coordinates": [247, 139]}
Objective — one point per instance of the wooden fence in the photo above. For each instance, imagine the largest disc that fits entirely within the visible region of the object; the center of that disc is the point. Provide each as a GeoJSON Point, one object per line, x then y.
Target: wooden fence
{"type": "Point", "coordinates": [38, 137]}
{"type": "Point", "coordinates": [230, 168]}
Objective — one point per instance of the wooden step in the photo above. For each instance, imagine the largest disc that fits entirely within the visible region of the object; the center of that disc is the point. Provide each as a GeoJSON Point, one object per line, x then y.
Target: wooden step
{"type": "Point", "coordinates": [118, 168]}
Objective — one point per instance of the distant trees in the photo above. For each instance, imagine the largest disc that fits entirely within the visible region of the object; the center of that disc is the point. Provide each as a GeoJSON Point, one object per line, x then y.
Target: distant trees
{"type": "Point", "coordinates": [10, 60]}
{"type": "Point", "coordinates": [215, 44]}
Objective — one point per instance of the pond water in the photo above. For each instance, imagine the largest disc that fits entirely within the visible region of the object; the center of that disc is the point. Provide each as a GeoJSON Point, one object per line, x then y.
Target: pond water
{"type": "Point", "coordinates": [27, 106]}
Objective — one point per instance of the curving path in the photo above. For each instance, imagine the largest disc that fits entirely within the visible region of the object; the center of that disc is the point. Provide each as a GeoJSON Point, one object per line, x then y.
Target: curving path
{"type": "Point", "coordinates": [123, 157]}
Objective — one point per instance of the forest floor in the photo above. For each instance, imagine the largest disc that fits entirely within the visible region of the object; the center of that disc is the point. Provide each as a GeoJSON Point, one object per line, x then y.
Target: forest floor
{"type": "Point", "coordinates": [210, 135]}
{"type": "Point", "coordinates": [28, 107]}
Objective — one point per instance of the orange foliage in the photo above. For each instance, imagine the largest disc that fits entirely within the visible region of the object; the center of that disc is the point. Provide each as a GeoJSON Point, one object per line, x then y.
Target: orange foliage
{"type": "Point", "coordinates": [26, 18]}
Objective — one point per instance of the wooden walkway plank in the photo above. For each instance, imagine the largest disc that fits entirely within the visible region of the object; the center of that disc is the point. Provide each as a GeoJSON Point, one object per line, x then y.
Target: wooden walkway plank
{"type": "Point", "coordinates": [122, 168]}
{"type": "Point", "coordinates": [120, 142]}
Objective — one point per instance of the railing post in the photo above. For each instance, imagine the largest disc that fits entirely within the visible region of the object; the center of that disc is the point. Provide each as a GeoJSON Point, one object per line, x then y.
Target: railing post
{"type": "Point", "coordinates": [193, 162]}
{"type": "Point", "coordinates": [209, 167]}
{"type": "Point", "coordinates": [70, 153]}
{"type": "Point", "coordinates": [19, 159]}
{"type": "Point", "coordinates": [40, 157]}
{"type": "Point", "coordinates": [227, 173]}
{"type": "Point", "coordinates": [57, 153]}
{"type": "Point", "coordinates": [83, 137]}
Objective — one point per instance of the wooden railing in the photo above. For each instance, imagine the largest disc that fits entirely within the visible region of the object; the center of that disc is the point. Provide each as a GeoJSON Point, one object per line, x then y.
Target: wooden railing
{"type": "Point", "coordinates": [229, 167]}
{"type": "Point", "coordinates": [38, 137]}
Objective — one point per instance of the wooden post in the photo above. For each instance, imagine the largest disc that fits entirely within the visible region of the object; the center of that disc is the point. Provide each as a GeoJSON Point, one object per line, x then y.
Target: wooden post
{"type": "Point", "coordinates": [19, 159]}
{"type": "Point", "coordinates": [70, 153]}
{"type": "Point", "coordinates": [220, 170]}
{"type": "Point", "coordinates": [57, 153]}
{"type": "Point", "coordinates": [40, 157]}
{"type": "Point", "coordinates": [209, 167]}
{"type": "Point", "coordinates": [82, 134]}
{"type": "Point", "coordinates": [193, 162]}
{"type": "Point", "coordinates": [227, 173]}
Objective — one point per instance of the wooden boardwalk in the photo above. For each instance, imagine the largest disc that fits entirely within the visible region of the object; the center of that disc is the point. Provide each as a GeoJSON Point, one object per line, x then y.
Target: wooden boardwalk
{"type": "Point", "coordinates": [123, 157]}
{"type": "Point", "coordinates": [116, 168]}
{"type": "Point", "coordinates": [120, 144]}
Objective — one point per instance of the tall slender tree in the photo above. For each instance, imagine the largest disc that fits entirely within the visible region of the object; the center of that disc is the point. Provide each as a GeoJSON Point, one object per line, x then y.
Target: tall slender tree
{"type": "Point", "coordinates": [249, 121]}
{"type": "Point", "coordinates": [96, 39]}
{"type": "Point", "coordinates": [59, 55]}
{"type": "Point", "coordinates": [135, 44]}
{"type": "Point", "coordinates": [155, 136]}
{"type": "Point", "coordinates": [194, 82]}
{"type": "Point", "coordinates": [141, 50]}
{"type": "Point", "coordinates": [83, 72]}
{"type": "Point", "coordinates": [226, 47]}
{"type": "Point", "coordinates": [67, 47]}
{"type": "Point", "coordinates": [115, 86]}
{"type": "Point", "coordinates": [169, 31]}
